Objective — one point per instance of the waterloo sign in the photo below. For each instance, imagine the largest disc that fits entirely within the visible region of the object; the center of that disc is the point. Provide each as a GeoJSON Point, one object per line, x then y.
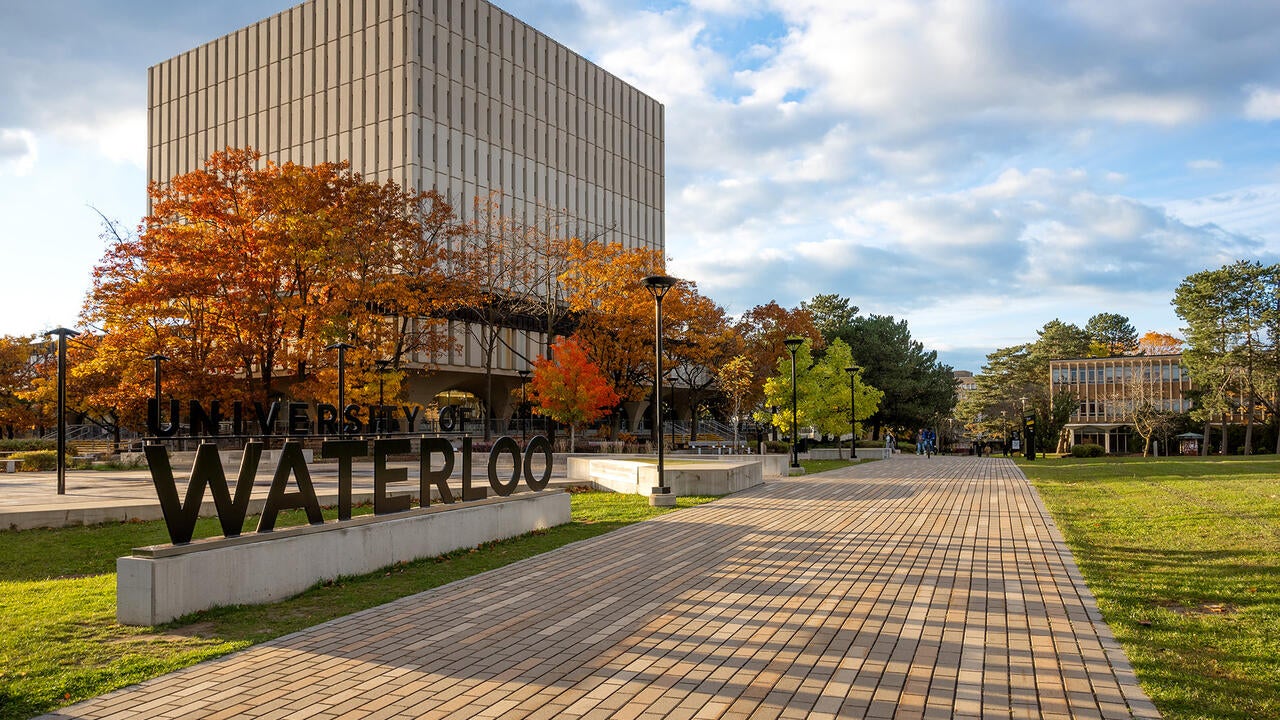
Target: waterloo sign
{"type": "Point", "coordinates": [232, 507]}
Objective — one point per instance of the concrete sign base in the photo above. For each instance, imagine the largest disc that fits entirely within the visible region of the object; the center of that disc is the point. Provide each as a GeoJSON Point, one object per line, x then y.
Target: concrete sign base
{"type": "Point", "coordinates": [164, 582]}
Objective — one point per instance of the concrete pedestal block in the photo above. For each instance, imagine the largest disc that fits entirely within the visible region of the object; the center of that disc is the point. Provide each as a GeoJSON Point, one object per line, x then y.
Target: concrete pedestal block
{"type": "Point", "coordinates": [662, 500]}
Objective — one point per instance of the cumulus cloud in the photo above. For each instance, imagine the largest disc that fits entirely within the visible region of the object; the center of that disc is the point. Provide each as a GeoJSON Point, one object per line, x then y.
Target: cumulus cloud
{"type": "Point", "coordinates": [1263, 104]}
{"type": "Point", "coordinates": [17, 151]}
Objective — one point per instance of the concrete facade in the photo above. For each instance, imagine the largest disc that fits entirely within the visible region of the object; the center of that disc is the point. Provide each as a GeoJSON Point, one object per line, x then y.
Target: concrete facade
{"type": "Point", "coordinates": [455, 95]}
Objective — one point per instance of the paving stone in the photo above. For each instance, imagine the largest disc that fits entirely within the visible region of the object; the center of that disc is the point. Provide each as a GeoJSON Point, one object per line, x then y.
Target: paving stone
{"type": "Point", "coordinates": [911, 587]}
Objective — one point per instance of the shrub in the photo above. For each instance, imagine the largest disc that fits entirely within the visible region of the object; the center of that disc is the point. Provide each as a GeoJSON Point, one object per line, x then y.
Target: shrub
{"type": "Point", "coordinates": [22, 444]}
{"type": "Point", "coordinates": [1087, 450]}
{"type": "Point", "coordinates": [39, 459]}
{"type": "Point", "coordinates": [776, 447]}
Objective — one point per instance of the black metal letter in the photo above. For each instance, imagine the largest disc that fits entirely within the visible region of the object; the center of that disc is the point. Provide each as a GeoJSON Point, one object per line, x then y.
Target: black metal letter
{"type": "Point", "coordinates": [343, 451]}
{"type": "Point", "coordinates": [439, 478]}
{"type": "Point", "coordinates": [291, 463]}
{"type": "Point", "coordinates": [382, 502]}
{"type": "Point", "coordinates": [504, 445]}
{"type": "Point", "coordinates": [468, 492]}
{"type": "Point", "coordinates": [538, 443]}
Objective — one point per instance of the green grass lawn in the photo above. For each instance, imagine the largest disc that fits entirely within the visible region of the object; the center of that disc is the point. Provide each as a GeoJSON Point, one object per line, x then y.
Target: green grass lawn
{"type": "Point", "coordinates": [817, 466]}
{"type": "Point", "coordinates": [60, 642]}
{"type": "Point", "coordinates": [1183, 555]}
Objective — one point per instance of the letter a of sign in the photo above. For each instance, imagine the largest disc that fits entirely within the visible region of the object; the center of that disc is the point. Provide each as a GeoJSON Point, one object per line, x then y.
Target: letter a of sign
{"type": "Point", "coordinates": [291, 463]}
{"type": "Point", "coordinates": [180, 517]}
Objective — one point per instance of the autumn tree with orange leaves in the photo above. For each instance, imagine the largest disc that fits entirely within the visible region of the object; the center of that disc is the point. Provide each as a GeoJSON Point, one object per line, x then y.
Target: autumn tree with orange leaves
{"type": "Point", "coordinates": [700, 341]}
{"type": "Point", "coordinates": [762, 329]}
{"type": "Point", "coordinates": [1158, 343]}
{"type": "Point", "coordinates": [615, 312]}
{"type": "Point", "coordinates": [244, 271]}
{"type": "Point", "coordinates": [570, 388]}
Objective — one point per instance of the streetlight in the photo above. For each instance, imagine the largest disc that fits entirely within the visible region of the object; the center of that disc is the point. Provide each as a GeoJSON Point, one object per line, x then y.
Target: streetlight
{"type": "Point", "coordinates": [524, 421]}
{"type": "Point", "coordinates": [63, 334]}
{"type": "Point", "coordinates": [853, 411]}
{"type": "Point", "coordinates": [773, 429]}
{"type": "Point", "coordinates": [382, 370]}
{"type": "Point", "coordinates": [157, 359]}
{"type": "Point", "coordinates": [658, 286]}
{"type": "Point", "coordinates": [793, 344]}
{"type": "Point", "coordinates": [342, 349]}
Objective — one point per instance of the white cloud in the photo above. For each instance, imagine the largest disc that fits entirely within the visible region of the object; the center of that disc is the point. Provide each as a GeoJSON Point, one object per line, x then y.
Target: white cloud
{"type": "Point", "coordinates": [1204, 164]}
{"type": "Point", "coordinates": [1263, 104]}
{"type": "Point", "coordinates": [17, 151]}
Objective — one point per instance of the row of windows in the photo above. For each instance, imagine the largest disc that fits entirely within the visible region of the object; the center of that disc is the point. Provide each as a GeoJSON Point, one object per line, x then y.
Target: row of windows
{"type": "Point", "coordinates": [365, 100]}
{"type": "Point", "coordinates": [300, 68]}
{"type": "Point", "coordinates": [492, 166]}
{"type": "Point", "coordinates": [1100, 410]}
{"type": "Point", "coordinates": [628, 222]}
{"type": "Point", "coordinates": [1116, 374]}
{"type": "Point", "coordinates": [381, 156]}
{"type": "Point", "coordinates": [516, 349]}
{"type": "Point", "coordinates": [381, 147]}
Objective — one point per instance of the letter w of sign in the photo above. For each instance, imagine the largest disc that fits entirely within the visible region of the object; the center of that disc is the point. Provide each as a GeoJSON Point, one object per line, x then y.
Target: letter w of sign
{"type": "Point", "coordinates": [180, 517]}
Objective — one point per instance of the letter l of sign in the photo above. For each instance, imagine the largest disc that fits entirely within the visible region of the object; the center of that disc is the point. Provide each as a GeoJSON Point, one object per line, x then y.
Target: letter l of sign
{"type": "Point", "coordinates": [180, 517]}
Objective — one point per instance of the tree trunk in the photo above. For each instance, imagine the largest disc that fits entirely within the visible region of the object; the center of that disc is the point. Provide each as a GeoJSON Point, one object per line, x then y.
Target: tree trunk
{"type": "Point", "coordinates": [1248, 430]}
{"type": "Point", "coordinates": [1222, 449]}
{"type": "Point", "coordinates": [1204, 443]}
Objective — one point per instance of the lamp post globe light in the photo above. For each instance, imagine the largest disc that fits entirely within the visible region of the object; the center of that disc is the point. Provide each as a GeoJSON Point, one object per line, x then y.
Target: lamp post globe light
{"type": "Point", "coordinates": [793, 344]}
{"type": "Point", "coordinates": [658, 286]}
{"type": "Point", "coordinates": [853, 411]}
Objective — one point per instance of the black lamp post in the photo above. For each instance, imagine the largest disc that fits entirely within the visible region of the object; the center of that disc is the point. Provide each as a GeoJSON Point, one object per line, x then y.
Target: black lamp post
{"type": "Point", "coordinates": [773, 411]}
{"type": "Point", "coordinates": [658, 286]}
{"type": "Point", "coordinates": [524, 420]}
{"type": "Point", "coordinates": [342, 348]}
{"type": "Point", "coordinates": [157, 359]}
{"type": "Point", "coordinates": [382, 370]}
{"type": "Point", "coordinates": [793, 344]}
{"type": "Point", "coordinates": [853, 411]}
{"type": "Point", "coordinates": [63, 334]}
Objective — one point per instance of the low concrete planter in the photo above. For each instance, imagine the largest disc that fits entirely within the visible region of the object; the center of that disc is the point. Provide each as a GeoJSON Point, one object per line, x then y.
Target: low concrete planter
{"type": "Point", "coordinates": [685, 476]}
{"type": "Point", "coordinates": [164, 582]}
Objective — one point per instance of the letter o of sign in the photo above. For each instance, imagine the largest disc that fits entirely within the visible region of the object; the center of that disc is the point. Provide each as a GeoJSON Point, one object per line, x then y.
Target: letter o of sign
{"type": "Point", "coordinates": [447, 418]}
{"type": "Point", "coordinates": [504, 445]}
{"type": "Point", "coordinates": [538, 443]}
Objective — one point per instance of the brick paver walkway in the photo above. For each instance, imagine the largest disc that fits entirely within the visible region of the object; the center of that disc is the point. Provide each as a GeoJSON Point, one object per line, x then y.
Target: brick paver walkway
{"type": "Point", "coordinates": [905, 588]}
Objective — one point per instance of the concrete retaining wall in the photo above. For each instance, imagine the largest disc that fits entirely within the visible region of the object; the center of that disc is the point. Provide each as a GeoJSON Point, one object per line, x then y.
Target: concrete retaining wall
{"type": "Point", "coordinates": [164, 582]}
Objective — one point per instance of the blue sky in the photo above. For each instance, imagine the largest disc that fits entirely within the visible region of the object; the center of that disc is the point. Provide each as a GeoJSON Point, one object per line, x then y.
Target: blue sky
{"type": "Point", "coordinates": [977, 168]}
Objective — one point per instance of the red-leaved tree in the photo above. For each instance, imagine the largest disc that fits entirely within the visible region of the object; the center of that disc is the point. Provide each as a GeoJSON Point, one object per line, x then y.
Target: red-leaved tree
{"type": "Point", "coordinates": [570, 388]}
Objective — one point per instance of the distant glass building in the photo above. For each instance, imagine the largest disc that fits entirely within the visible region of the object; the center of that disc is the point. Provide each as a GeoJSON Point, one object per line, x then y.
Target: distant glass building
{"type": "Point", "coordinates": [455, 95]}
